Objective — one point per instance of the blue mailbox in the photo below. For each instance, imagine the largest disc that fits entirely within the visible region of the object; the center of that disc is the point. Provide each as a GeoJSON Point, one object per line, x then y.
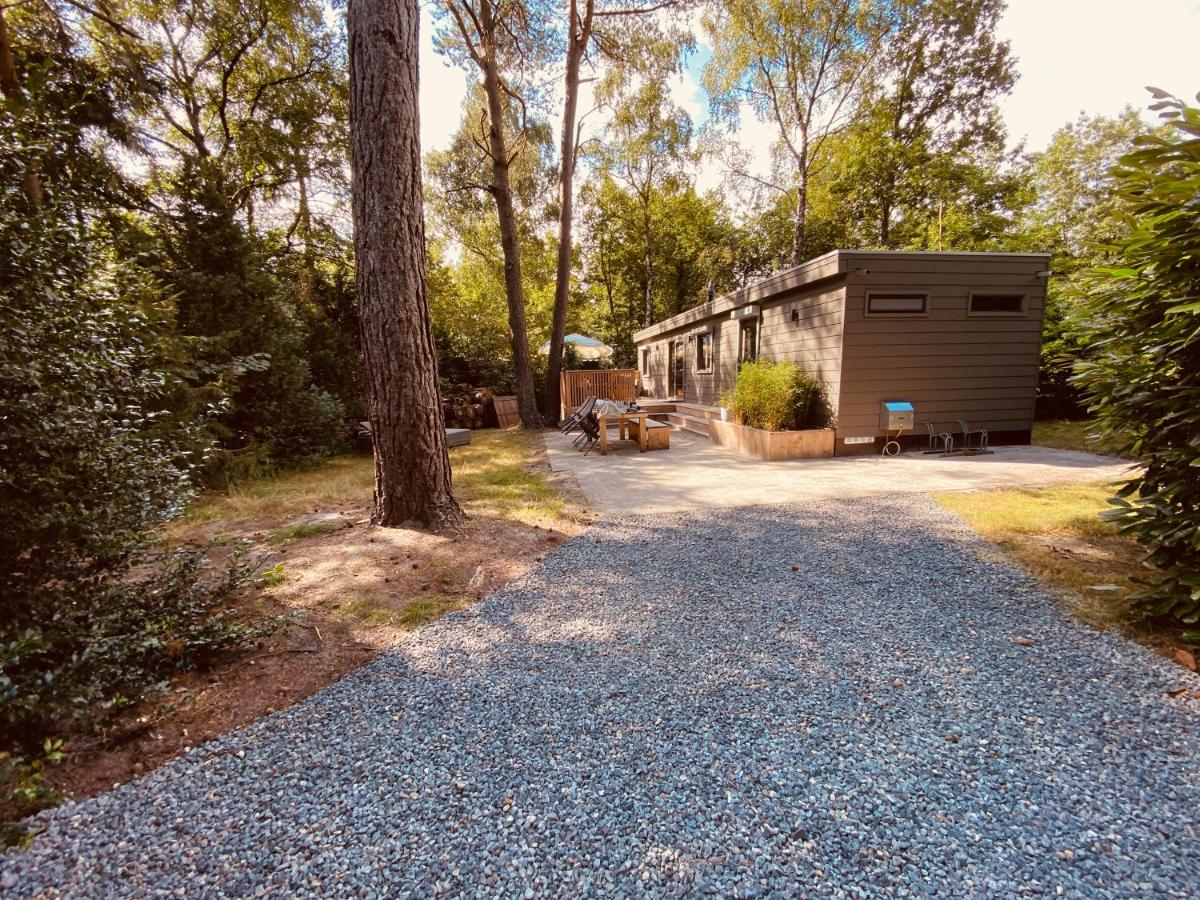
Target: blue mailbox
{"type": "Point", "coordinates": [896, 415]}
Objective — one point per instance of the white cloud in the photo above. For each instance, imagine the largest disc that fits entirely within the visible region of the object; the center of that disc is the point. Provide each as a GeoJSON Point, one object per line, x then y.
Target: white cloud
{"type": "Point", "coordinates": [1095, 56]}
{"type": "Point", "coordinates": [443, 92]}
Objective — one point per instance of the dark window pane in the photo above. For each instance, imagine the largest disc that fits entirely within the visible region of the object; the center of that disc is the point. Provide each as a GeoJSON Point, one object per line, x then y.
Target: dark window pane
{"type": "Point", "coordinates": [748, 351]}
{"type": "Point", "coordinates": [704, 351]}
{"type": "Point", "coordinates": [997, 303]}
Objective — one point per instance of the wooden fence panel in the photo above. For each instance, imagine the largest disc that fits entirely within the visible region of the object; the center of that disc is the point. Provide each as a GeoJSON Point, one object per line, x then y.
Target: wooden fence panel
{"type": "Point", "coordinates": [605, 384]}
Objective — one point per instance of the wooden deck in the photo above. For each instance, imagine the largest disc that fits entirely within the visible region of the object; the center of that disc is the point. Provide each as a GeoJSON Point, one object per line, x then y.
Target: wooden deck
{"type": "Point", "coordinates": [682, 416]}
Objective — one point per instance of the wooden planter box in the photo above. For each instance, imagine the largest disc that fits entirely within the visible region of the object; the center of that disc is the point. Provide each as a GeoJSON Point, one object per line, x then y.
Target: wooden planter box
{"type": "Point", "coordinates": [771, 445]}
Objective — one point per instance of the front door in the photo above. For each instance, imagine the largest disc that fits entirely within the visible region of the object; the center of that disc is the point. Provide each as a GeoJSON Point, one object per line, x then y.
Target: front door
{"type": "Point", "coordinates": [675, 369]}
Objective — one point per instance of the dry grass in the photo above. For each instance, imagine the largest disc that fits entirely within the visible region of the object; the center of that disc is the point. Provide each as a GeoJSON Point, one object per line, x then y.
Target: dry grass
{"type": "Point", "coordinates": [493, 476]}
{"type": "Point", "coordinates": [1069, 435]}
{"type": "Point", "coordinates": [344, 588]}
{"type": "Point", "coordinates": [1057, 534]}
{"type": "Point", "coordinates": [336, 481]}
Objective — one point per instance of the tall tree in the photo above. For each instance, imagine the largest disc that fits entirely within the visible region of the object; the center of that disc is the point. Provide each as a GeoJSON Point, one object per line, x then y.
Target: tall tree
{"type": "Point", "coordinates": [1076, 214]}
{"type": "Point", "coordinates": [503, 40]}
{"type": "Point", "coordinates": [943, 70]}
{"type": "Point", "coordinates": [801, 66]}
{"type": "Point", "coordinates": [412, 464]}
{"type": "Point", "coordinates": [696, 246]}
{"type": "Point", "coordinates": [624, 36]}
{"type": "Point", "coordinates": [648, 148]}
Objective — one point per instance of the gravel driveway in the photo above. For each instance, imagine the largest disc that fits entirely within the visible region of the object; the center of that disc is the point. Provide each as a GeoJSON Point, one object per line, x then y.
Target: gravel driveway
{"type": "Point", "coordinates": [772, 700]}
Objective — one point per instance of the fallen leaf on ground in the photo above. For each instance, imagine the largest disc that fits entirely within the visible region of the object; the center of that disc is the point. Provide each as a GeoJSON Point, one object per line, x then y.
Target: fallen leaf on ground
{"type": "Point", "coordinates": [951, 739]}
{"type": "Point", "coordinates": [1024, 642]}
{"type": "Point", "coordinates": [1184, 658]}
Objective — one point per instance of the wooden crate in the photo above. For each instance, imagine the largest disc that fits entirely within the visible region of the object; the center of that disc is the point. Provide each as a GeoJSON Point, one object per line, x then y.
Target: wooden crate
{"type": "Point", "coordinates": [506, 410]}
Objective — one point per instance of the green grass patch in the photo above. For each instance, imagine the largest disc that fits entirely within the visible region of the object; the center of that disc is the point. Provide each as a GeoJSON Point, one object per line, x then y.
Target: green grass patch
{"type": "Point", "coordinates": [1070, 435]}
{"type": "Point", "coordinates": [335, 481]}
{"type": "Point", "coordinates": [1071, 509]}
{"type": "Point", "coordinates": [494, 475]}
{"type": "Point", "coordinates": [426, 609]}
{"type": "Point", "coordinates": [284, 536]}
{"type": "Point", "coordinates": [1057, 534]}
{"type": "Point", "coordinates": [367, 611]}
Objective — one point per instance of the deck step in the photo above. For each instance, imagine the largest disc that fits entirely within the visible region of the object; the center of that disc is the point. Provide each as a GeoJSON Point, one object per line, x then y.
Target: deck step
{"type": "Point", "coordinates": [698, 411]}
{"type": "Point", "coordinates": [684, 422]}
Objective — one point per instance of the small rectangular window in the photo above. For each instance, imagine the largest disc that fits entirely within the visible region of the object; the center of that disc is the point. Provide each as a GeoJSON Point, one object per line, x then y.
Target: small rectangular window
{"type": "Point", "coordinates": [704, 351]}
{"type": "Point", "coordinates": [997, 304]}
{"type": "Point", "coordinates": [891, 304]}
{"type": "Point", "coordinates": [645, 360]}
{"type": "Point", "coordinates": [748, 347]}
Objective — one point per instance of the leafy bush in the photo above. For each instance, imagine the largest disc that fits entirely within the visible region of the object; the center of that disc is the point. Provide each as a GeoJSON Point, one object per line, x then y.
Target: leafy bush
{"type": "Point", "coordinates": [244, 337]}
{"type": "Point", "coordinates": [1143, 373]}
{"type": "Point", "coordinates": [92, 648]}
{"type": "Point", "coordinates": [778, 396]}
{"type": "Point", "coordinates": [88, 617]}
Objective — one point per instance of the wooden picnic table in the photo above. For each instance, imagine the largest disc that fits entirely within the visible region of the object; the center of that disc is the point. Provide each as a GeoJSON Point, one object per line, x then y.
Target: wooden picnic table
{"type": "Point", "coordinates": [623, 420]}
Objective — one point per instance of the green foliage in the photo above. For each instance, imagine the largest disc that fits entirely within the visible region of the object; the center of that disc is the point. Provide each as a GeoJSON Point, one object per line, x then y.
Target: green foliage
{"type": "Point", "coordinates": [692, 243]}
{"type": "Point", "coordinates": [274, 576]}
{"type": "Point", "coordinates": [30, 792]}
{"type": "Point", "coordinates": [1143, 375]}
{"type": "Point", "coordinates": [90, 648]}
{"type": "Point", "coordinates": [1076, 215]}
{"type": "Point", "coordinates": [922, 151]}
{"type": "Point", "coordinates": [91, 461]}
{"type": "Point", "coordinates": [778, 396]}
{"type": "Point", "coordinates": [245, 341]}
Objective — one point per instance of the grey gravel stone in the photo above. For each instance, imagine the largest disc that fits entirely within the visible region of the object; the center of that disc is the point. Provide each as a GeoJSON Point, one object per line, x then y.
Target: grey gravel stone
{"type": "Point", "coordinates": [672, 710]}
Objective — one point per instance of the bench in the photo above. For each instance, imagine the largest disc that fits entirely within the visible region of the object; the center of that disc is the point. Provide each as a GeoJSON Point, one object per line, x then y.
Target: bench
{"type": "Point", "coordinates": [658, 434]}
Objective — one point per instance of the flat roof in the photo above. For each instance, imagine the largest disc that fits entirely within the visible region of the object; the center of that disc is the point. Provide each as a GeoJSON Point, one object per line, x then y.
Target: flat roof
{"type": "Point", "coordinates": [828, 265]}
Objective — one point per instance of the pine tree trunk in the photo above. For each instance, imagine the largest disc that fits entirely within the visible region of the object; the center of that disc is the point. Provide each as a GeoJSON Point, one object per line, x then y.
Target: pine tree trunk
{"type": "Point", "coordinates": [566, 181]}
{"type": "Point", "coordinates": [412, 465]}
{"type": "Point", "coordinates": [510, 241]}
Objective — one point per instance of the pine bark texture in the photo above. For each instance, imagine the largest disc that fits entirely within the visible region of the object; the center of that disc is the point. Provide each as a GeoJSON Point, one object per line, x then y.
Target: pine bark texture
{"type": "Point", "coordinates": [412, 465]}
{"type": "Point", "coordinates": [510, 238]}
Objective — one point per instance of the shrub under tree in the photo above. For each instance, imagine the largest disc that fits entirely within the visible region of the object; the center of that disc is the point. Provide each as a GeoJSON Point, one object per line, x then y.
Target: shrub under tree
{"type": "Point", "coordinates": [1143, 372]}
{"type": "Point", "coordinates": [90, 614]}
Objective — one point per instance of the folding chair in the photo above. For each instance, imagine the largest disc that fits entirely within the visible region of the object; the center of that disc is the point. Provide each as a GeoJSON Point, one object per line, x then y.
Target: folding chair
{"type": "Point", "coordinates": [571, 422]}
{"type": "Point", "coordinates": [590, 427]}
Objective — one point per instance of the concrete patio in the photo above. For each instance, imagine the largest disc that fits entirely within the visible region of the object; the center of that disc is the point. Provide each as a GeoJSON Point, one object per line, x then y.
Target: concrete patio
{"type": "Point", "coordinates": [696, 474]}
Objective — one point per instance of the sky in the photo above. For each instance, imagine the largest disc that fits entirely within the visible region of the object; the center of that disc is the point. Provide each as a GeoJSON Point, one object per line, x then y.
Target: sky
{"type": "Point", "coordinates": [1073, 56]}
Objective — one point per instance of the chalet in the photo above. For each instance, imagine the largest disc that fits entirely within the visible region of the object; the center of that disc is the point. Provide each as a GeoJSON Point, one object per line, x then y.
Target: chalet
{"type": "Point", "coordinates": [957, 335]}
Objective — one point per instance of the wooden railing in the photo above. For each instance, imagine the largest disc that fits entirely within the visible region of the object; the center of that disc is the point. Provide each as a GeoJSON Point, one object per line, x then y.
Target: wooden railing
{"type": "Point", "coordinates": [605, 384]}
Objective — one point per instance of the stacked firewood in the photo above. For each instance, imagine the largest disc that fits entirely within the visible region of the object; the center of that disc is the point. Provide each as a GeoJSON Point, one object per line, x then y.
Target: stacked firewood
{"type": "Point", "coordinates": [465, 406]}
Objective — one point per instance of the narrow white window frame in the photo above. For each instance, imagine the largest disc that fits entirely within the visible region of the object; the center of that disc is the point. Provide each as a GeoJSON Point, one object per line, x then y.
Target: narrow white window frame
{"type": "Point", "coordinates": [699, 336]}
{"type": "Point", "coordinates": [923, 312]}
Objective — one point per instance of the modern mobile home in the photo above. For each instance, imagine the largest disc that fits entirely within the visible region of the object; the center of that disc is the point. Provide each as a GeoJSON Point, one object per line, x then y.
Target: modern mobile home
{"type": "Point", "coordinates": [958, 335]}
